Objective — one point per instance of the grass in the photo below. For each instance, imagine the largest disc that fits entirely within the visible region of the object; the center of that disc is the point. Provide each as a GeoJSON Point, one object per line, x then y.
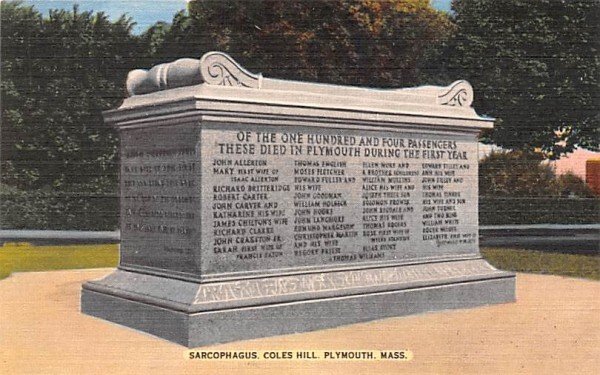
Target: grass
{"type": "Point", "coordinates": [25, 257]}
{"type": "Point", "coordinates": [548, 263]}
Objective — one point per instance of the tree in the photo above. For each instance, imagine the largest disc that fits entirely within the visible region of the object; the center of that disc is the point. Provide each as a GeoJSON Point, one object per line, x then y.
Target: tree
{"type": "Point", "coordinates": [58, 73]}
{"type": "Point", "coordinates": [534, 66]}
{"type": "Point", "coordinates": [358, 42]}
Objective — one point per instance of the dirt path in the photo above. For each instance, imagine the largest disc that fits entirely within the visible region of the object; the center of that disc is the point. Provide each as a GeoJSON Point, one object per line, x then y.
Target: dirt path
{"type": "Point", "coordinates": [554, 328]}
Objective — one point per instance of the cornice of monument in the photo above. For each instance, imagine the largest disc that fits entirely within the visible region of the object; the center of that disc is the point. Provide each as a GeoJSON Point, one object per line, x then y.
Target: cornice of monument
{"type": "Point", "coordinates": [217, 76]}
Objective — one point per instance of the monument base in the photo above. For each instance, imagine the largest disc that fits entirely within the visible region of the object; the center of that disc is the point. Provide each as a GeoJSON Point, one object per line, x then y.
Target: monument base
{"type": "Point", "coordinates": [186, 313]}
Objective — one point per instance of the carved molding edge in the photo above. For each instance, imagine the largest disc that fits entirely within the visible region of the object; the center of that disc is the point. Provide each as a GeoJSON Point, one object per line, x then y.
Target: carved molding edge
{"type": "Point", "coordinates": [458, 94]}
{"type": "Point", "coordinates": [313, 284]}
{"type": "Point", "coordinates": [218, 68]}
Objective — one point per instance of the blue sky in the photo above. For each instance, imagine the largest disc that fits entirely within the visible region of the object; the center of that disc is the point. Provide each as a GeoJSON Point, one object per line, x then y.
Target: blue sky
{"type": "Point", "coordinates": [144, 12]}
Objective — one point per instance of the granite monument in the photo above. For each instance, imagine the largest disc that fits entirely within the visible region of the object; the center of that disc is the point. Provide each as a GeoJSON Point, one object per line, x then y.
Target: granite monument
{"type": "Point", "coordinates": [253, 206]}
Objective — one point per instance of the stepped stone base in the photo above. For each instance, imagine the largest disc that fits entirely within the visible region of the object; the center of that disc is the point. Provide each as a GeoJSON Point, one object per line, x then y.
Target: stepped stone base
{"type": "Point", "coordinates": [187, 313]}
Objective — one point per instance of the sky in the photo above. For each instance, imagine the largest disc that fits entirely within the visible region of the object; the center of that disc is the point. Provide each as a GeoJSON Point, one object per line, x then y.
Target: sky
{"type": "Point", "coordinates": [144, 12]}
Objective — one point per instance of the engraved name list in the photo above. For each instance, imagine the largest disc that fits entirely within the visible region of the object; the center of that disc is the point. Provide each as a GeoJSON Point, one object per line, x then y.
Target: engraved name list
{"type": "Point", "coordinates": [276, 200]}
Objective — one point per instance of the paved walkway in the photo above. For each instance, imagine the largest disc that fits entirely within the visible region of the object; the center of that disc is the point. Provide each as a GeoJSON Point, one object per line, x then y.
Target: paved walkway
{"type": "Point", "coordinates": [554, 328]}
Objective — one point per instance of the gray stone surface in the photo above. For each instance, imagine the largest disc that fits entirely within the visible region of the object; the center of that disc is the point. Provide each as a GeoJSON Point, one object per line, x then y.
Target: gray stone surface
{"type": "Point", "coordinates": [211, 327]}
{"type": "Point", "coordinates": [244, 197]}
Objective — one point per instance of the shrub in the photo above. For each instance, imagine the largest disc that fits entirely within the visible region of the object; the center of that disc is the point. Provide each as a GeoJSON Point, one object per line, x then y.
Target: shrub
{"type": "Point", "coordinates": [516, 174]}
{"type": "Point", "coordinates": [571, 185]}
{"type": "Point", "coordinates": [518, 188]}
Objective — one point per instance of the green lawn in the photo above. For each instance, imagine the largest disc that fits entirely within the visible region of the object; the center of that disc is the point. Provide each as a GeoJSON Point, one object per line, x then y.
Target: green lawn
{"type": "Point", "coordinates": [15, 258]}
{"type": "Point", "coordinates": [531, 261]}
{"type": "Point", "coordinates": [22, 258]}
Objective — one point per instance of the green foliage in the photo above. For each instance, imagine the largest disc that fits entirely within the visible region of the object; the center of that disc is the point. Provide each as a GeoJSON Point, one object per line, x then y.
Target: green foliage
{"type": "Point", "coordinates": [516, 174]}
{"type": "Point", "coordinates": [524, 174]}
{"type": "Point", "coordinates": [534, 66]}
{"type": "Point", "coordinates": [79, 208]}
{"type": "Point", "coordinates": [518, 188]}
{"type": "Point", "coordinates": [571, 185]}
{"type": "Point", "coordinates": [538, 210]}
{"type": "Point", "coordinates": [58, 73]}
{"type": "Point", "coordinates": [358, 42]}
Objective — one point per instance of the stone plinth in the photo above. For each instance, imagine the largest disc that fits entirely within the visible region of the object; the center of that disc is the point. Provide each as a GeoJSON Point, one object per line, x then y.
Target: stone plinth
{"type": "Point", "coordinates": [253, 206]}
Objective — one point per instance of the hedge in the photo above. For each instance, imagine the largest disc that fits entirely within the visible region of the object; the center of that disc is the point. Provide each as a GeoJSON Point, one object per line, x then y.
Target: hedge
{"type": "Point", "coordinates": [58, 210]}
{"type": "Point", "coordinates": [538, 210]}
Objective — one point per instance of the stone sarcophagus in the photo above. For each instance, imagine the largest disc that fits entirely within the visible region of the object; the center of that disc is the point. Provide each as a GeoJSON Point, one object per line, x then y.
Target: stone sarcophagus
{"type": "Point", "coordinates": [253, 207]}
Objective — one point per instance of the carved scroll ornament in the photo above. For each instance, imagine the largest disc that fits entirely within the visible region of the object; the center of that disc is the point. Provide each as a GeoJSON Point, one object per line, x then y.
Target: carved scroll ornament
{"type": "Point", "coordinates": [218, 68]}
{"type": "Point", "coordinates": [458, 94]}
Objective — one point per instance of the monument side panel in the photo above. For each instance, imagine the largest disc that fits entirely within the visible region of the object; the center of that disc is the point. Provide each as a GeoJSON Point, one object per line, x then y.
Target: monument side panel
{"type": "Point", "coordinates": [160, 200]}
{"type": "Point", "coordinates": [279, 200]}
